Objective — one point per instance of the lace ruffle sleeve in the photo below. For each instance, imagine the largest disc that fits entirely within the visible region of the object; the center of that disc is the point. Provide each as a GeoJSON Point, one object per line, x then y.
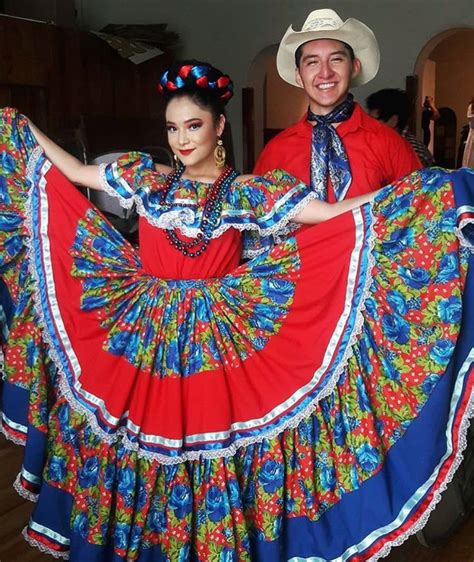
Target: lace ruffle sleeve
{"type": "Point", "coordinates": [264, 207]}
{"type": "Point", "coordinates": [129, 177]}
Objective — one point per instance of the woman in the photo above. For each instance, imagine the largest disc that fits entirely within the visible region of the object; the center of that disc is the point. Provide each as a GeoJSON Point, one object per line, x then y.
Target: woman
{"type": "Point", "coordinates": [191, 408]}
{"type": "Point", "coordinates": [429, 113]}
{"type": "Point", "coordinates": [468, 155]}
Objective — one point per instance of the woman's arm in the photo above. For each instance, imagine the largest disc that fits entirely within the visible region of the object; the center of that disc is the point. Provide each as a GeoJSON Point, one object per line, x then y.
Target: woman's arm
{"type": "Point", "coordinates": [319, 211]}
{"type": "Point", "coordinates": [76, 172]}
{"type": "Point", "coordinates": [436, 114]}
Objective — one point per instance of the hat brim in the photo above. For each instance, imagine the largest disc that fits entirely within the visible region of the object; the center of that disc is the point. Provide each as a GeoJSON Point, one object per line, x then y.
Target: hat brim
{"type": "Point", "coordinates": [352, 31]}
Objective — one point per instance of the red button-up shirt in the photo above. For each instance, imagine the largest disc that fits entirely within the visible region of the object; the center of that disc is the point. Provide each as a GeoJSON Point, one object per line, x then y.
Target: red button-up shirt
{"type": "Point", "coordinates": [377, 154]}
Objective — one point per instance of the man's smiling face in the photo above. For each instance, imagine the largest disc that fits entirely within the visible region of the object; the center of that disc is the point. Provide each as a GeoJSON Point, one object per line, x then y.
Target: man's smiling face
{"type": "Point", "coordinates": [325, 72]}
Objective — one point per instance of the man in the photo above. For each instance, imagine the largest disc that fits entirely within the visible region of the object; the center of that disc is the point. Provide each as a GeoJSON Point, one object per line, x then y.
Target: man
{"type": "Point", "coordinates": [392, 107]}
{"type": "Point", "coordinates": [335, 147]}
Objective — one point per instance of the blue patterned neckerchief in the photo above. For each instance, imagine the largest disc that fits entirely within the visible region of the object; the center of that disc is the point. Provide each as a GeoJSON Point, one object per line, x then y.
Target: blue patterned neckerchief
{"type": "Point", "coordinates": [328, 155]}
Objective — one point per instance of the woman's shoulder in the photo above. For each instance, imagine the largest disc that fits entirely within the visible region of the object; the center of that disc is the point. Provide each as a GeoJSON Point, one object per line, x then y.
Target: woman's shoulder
{"type": "Point", "coordinates": [243, 178]}
{"type": "Point", "coordinates": [162, 169]}
{"type": "Point", "coordinates": [260, 192]}
{"type": "Point", "coordinates": [137, 170]}
{"type": "Point", "coordinates": [276, 176]}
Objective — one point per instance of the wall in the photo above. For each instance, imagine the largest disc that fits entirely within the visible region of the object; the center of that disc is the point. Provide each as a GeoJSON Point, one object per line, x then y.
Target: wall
{"type": "Point", "coordinates": [278, 115]}
{"type": "Point", "coordinates": [231, 33]}
{"type": "Point", "coordinates": [454, 59]}
{"type": "Point", "coordinates": [61, 12]}
{"type": "Point", "coordinates": [75, 87]}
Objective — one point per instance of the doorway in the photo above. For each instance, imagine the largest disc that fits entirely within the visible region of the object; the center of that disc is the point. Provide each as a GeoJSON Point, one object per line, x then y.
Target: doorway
{"type": "Point", "coordinates": [445, 70]}
{"type": "Point", "coordinates": [275, 104]}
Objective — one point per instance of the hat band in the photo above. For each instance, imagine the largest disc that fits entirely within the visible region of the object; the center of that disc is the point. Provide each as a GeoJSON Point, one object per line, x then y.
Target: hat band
{"type": "Point", "coordinates": [321, 24]}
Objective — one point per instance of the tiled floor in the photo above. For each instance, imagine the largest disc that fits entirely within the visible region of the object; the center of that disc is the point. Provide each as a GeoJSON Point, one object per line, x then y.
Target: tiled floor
{"type": "Point", "coordinates": [14, 512]}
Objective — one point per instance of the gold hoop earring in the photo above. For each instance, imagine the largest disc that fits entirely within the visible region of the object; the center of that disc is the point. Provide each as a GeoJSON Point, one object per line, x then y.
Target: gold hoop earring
{"type": "Point", "coordinates": [177, 162]}
{"type": "Point", "coordinates": [219, 154]}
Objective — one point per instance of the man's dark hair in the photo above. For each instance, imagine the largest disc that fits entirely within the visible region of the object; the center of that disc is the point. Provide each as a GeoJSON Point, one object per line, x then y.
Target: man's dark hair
{"type": "Point", "coordinates": [299, 51]}
{"type": "Point", "coordinates": [389, 102]}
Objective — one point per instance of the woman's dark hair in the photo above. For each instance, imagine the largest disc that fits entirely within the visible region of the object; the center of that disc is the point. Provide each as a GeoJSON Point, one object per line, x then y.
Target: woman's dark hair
{"type": "Point", "coordinates": [207, 86]}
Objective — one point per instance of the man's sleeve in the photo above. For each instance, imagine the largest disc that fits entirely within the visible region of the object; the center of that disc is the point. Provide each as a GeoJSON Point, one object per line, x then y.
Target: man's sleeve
{"type": "Point", "coordinates": [271, 157]}
{"type": "Point", "coordinates": [267, 161]}
{"type": "Point", "coordinates": [403, 159]}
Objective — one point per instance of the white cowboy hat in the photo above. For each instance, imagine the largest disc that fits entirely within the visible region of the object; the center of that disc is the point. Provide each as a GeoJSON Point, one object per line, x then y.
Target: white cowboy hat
{"type": "Point", "coordinates": [326, 24]}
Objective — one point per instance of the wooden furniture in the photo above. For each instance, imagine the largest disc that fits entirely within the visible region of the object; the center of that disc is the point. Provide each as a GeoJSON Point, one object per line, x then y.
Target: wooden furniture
{"type": "Point", "coordinates": [78, 89]}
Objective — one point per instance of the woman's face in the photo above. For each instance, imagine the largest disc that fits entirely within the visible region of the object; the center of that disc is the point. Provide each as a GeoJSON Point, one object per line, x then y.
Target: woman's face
{"type": "Point", "coordinates": [192, 133]}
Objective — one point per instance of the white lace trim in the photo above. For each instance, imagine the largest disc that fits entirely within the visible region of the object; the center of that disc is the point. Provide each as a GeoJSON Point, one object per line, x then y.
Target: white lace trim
{"type": "Point", "coordinates": [125, 202]}
{"type": "Point", "coordinates": [252, 253]}
{"type": "Point", "coordinates": [421, 522]}
{"type": "Point", "coordinates": [26, 494]}
{"type": "Point", "coordinates": [12, 438]}
{"type": "Point", "coordinates": [40, 546]}
{"type": "Point", "coordinates": [465, 243]}
{"type": "Point", "coordinates": [280, 230]}
{"type": "Point", "coordinates": [32, 161]}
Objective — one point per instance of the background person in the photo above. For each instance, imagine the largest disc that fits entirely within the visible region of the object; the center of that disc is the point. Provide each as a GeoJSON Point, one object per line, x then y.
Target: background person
{"type": "Point", "coordinates": [392, 107]}
{"type": "Point", "coordinates": [429, 113]}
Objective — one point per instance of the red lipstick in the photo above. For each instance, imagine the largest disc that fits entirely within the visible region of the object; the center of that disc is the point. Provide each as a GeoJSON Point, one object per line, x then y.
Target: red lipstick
{"type": "Point", "coordinates": [186, 152]}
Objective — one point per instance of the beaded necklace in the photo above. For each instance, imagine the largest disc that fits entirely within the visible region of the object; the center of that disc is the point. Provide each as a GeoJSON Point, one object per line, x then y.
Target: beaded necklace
{"type": "Point", "coordinates": [210, 216]}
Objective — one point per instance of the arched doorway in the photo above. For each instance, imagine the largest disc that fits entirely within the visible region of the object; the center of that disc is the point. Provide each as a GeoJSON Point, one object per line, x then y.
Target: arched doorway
{"type": "Point", "coordinates": [276, 104]}
{"type": "Point", "coordinates": [445, 70]}
{"type": "Point", "coordinates": [445, 138]}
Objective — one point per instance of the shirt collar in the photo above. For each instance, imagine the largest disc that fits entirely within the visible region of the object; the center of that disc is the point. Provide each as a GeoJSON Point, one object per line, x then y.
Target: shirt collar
{"type": "Point", "coordinates": [353, 123]}
{"type": "Point", "coordinates": [358, 120]}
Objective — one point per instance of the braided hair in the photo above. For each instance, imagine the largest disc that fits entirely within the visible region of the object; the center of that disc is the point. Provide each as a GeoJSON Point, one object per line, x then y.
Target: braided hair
{"type": "Point", "coordinates": [207, 86]}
